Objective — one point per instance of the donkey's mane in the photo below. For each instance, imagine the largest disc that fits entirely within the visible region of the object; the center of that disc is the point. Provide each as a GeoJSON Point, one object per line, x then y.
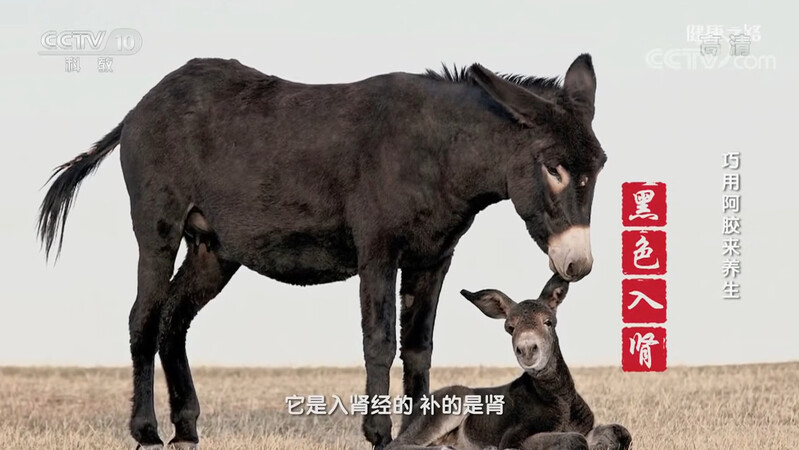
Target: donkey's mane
{"type": "Point", "coordinates": [462, 75]}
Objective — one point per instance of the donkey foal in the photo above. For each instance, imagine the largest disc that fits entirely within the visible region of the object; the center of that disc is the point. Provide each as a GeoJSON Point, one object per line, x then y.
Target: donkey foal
{"type": "Point", "coordinates": [542, 409]}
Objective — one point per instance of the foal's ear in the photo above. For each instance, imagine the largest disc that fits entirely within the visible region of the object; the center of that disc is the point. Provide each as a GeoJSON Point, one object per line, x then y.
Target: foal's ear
{"type": "Point", "coordinates": [580, 83]}
{"type": "Point", "coordinates": [518, 101]}
{"type": "Point", "coordinates": [554, 292]}
{"type": "Point", "coordinates": [492, 302]}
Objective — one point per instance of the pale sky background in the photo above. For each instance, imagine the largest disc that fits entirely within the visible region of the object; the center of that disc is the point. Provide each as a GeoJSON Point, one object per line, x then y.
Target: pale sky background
{"type": "Point", "coordinates": [669, 124]}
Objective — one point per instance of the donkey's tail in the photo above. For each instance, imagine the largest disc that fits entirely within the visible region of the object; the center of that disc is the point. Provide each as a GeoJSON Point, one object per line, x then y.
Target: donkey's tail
{"type": "Point", "coordinates": [58, 200]}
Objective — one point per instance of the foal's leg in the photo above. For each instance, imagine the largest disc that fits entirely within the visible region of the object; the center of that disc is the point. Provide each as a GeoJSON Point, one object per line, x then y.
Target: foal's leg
{"type": "Point", "coordinates": [425, 429]}
{"type": "Point", "coordinates": [378, 323]}
{"type": "Point", "coordinates": [609, 437]}
{"type": "Point", "coordinates": [419, 292]}
{"type": "Point", "coordinates": [158, 227]}
{"type": "Point", "coordinates": [555, 441]}
{"type": "Point", "coordinates": [201, 277]}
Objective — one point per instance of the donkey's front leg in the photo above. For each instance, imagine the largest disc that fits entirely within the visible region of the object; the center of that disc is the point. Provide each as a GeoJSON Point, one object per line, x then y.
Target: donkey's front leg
{"type": "Point", "coordinates": [378, 319]}
{"type": "Point", "coordinates": [419, 291]}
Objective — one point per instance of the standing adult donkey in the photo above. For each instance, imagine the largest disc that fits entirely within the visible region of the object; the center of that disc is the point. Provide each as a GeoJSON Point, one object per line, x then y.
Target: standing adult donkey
{"type": "Point", "coordinates": [310, 184]}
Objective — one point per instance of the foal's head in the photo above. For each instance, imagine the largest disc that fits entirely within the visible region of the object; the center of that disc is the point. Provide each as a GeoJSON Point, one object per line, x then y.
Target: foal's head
{"type": "Point", "coordinates": [531, 323]}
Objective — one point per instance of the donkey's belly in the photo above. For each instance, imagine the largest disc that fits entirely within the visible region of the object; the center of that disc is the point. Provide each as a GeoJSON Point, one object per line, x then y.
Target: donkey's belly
{"type": "Point", "coordinates": [300, 258]}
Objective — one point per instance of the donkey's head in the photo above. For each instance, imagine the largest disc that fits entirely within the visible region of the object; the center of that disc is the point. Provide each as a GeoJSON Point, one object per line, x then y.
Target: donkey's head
{"type": "Point", "coordinates": [530, 323]}
{"type": "Point", "coordinates": [553, 170]}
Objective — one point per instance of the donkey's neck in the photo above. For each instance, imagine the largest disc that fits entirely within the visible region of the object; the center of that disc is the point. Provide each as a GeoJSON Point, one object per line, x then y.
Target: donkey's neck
{"type": "Point", "coordinates": [555, 380]}
{"type": "Point", "coordinates": [478, 157]}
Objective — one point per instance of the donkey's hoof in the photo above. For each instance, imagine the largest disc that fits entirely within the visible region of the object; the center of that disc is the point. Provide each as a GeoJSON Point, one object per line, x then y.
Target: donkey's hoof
{"type": "Point", "coordinates": [184, 446]}
{"type": "Point", "coordinates": [150, 447]}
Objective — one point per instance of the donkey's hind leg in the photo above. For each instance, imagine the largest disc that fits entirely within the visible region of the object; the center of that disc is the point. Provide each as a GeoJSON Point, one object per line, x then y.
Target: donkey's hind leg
{"type": "Point", "coordinates": [201, 277]}
{"type": "Point", "coordinates": [157, 223]}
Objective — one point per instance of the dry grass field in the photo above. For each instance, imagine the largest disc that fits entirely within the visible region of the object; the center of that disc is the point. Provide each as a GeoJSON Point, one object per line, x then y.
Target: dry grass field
{"type": "Point", "coordinates": [729, 407]}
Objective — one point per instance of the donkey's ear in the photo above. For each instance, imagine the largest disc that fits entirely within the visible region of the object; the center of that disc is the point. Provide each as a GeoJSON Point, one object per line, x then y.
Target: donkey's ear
{"type": "Point", "coordinates": [522, 104]}
{"type": "Point", "coordinates": [554, 292]}
{"type": "Point", "coordinates": [580, 83]}
{"type": "Point", "coordinates": [492, 302]}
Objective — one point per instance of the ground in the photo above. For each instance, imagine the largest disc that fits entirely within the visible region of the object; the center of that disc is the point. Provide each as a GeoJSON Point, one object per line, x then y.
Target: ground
{"type": "Point", "coordinates": [725, 407]}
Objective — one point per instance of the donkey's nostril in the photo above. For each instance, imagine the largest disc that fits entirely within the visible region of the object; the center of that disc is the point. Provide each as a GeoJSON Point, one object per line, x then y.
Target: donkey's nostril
{"type": "Point", "coordinates": [534, 348]}
{"type": "Point", "coordinates": [518, 351]}
{"type": "Point", "coordinates": [570, 270]}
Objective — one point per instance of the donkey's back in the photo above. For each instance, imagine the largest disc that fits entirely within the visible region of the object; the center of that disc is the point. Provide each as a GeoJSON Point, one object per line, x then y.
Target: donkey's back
{"type": "Point", "coordinates": [284, 174]}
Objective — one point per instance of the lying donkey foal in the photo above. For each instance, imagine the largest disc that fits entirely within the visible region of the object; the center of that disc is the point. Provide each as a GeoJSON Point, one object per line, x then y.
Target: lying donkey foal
{"type": "Point", "coordinates": [542, 409]}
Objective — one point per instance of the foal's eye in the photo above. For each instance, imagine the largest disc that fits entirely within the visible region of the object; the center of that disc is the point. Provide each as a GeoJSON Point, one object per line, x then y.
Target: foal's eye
{"type": "Point", "coordinates": [583, 180]}
{"type": "Point", "coordinates": [548, 323]}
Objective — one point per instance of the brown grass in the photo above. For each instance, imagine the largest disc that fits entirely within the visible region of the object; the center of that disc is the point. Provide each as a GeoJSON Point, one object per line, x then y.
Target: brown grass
{"type": "Point", "coordinates": [729, 407]}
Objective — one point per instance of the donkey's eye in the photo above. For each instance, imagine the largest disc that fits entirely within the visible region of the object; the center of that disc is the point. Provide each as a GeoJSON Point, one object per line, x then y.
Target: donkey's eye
{"type": "Point", "coordinates": [509, 329]}
{"type": "Point", "coordinates": [548, 323]}
{"type": "Point", "coordinates": [554, 172]}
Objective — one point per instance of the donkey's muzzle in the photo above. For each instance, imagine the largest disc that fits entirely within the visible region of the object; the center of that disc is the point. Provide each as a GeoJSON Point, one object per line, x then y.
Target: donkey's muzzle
{"type": "Point", "coordinates": [578, 269]}
{"type": "Point", "coordinates": [527, 355]}
{"type": "Point", "coordinates": [570, 253]}
{"type": "Point", "coordinates": [528, 351]}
